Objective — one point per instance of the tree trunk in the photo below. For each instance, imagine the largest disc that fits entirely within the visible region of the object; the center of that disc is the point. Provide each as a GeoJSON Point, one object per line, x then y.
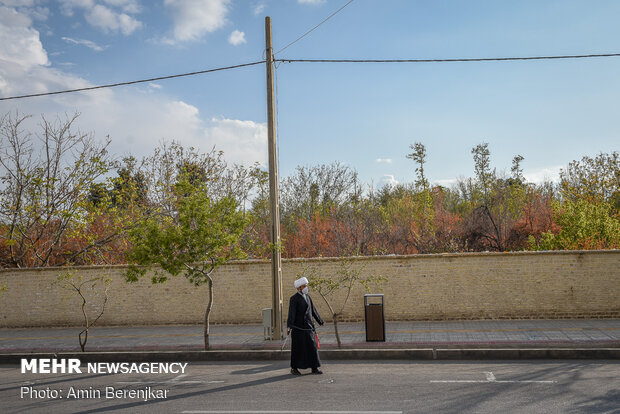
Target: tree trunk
{"type": "Point", "coordinates": [207, 313]}
{"type": "Point", "coordinates": [85, 331]}
{"type": "Point", "coordinates": [336, 330]}
{"type": "Point", "coordinates": [84, 339]}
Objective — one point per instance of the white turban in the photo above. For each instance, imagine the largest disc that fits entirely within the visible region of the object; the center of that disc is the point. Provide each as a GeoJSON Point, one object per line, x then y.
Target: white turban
{"type": "Point", "coordinates": [301, 281]}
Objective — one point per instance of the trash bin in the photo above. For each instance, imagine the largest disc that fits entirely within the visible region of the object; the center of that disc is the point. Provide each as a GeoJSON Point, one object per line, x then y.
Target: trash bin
{"type": "Point", "coordinates": [374, 317]}
{"type": "Point", "coordinates": [267, 324]}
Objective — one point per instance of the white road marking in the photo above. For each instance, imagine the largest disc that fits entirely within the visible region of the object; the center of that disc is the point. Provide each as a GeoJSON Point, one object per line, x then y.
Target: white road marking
{"type": "Point", "coordinates": [177, 378]}
{"type": "Point", "coordinates": [158, 382]}
{"type": "Point", "coordinates": [459, 381]}
{"type": "Point", "coordinates": [491, 378]}
{"type": "Point", "coordinates": [486, 381]}
{"type": "Point", "coordinates": [291, 412]}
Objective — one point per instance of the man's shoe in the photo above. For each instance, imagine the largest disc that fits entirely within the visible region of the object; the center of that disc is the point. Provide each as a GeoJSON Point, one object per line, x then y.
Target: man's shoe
{"type": "Point", "coordinates": [295, 371]}
{"type": "Point", "coordinates": [316, 371]}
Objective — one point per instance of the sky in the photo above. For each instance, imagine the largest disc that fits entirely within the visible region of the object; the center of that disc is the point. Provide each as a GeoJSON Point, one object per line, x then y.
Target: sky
{"type": "Point", "coordinates": [364, 116]}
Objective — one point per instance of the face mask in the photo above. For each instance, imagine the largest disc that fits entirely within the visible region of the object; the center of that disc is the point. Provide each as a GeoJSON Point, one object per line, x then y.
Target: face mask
{"type": "Point", "coordinates": [305, 290]}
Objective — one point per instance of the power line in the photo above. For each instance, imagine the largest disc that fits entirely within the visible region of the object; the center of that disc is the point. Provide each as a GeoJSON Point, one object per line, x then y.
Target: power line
{"type": "Point", "coordinates": [112, 85]}
{"type": "Point", "coordinates": [314, 28]}
{"type": "Point", "coordinates": [602, 55]}
{"type": "Point", "coordinates": [446, 60]}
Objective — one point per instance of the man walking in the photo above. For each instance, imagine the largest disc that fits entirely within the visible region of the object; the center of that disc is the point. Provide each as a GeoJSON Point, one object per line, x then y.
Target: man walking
{"type": "Point", "coordinates": [301, 310]}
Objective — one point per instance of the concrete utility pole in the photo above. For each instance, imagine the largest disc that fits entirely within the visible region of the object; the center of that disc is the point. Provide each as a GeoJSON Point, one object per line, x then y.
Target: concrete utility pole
{"type": "Point", "coordinates": [276, 259]}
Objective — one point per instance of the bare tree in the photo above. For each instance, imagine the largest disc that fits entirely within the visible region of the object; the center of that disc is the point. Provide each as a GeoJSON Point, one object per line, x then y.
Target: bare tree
{"type": "Point", "coordinates": [344, 280]}
{"type": "Point", "coordinates": [88, 291]}
{"type": "Point", "coordinates": [45, 180]}
{"type": "Point", "coordinates": [242, 183]}
{"type": "Point", "coordinates": [171, 161]}
{"type": "Point", "coordinates": [317, 189]}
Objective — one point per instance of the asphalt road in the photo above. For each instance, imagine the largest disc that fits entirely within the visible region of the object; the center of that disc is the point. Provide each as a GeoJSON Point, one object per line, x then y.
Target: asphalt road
{"type": "Point", "coordinates": [369, 386]}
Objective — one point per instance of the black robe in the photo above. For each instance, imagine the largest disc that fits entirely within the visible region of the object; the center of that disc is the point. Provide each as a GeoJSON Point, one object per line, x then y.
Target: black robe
{"type": "Point", "coordinates": [304, 352]}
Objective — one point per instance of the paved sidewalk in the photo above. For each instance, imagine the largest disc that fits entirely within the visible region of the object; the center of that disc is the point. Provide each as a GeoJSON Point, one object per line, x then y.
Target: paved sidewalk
{"type": "Point", "coordinates": [580, 333]}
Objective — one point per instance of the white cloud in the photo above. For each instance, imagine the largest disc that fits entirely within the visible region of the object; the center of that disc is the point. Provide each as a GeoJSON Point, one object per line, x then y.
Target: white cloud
{"type": "Point", "coordinates": [87, 43]}
{"type": "Point", "coordinates": [106, 18]}
{"type": "Point", "coordinates": [110, 21]}
{"type": "Point", "coordinates": [137, 123]}
{"type": "Point", "coordinates": [136, 118]}
{"type": "Point", "coordinates": [19, 3]}
{"type": "Point", "coordinates": [236, 38]}
{"type": "Point", "coordinates": [385, 160]}
{"type": "Point", "coordinates": [195, 18]}
{"type": "Point", "coordinates": [30, 8]}
{"type": "Point", "coordinates": [448, 182]}
{"type": "Point", "coordinates": [312, 2]}
{"type": "Point", "coordinates": [243, 142]}
{"type": "Point", "coordinates": [128, 6]}
{"type": "Point", "coordinates": [20, 45]}
{"type": "Point", "coordinates": [25, 68]}
{"type": "Point", "coordinates": [128, 24]}
{"type": "Point", "coordinates": [39, 13]}
{"type": "Point", "coordinates": [389, 179]}
{"type": "Point", "coordinates": [543, 174]}
{"type": "Point", "coordinates": [67, 7]}
{"type": "Point", "coordinates": [259, 8]}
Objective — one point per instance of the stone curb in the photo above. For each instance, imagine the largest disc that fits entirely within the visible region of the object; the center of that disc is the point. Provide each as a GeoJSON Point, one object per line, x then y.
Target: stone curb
{"type": "Point", "coordinates": [330, 354]}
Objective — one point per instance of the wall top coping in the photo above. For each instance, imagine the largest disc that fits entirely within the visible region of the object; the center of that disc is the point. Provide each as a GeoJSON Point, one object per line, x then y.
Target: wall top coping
{"type": "Point", "coordinates": [336, 259]}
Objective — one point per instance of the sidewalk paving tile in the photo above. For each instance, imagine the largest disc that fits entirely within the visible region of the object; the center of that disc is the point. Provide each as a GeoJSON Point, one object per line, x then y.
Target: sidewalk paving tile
{"type": "Point", "coordinates": [435, 333]}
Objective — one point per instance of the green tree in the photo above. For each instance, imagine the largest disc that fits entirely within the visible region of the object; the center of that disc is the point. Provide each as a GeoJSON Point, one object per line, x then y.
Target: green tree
{"type": "Point", "coordinates": [419, 157]}
{"type": "Point", "coordinates": [583, 225]}
{"type": "Point", "coordinates": [191, 236]}
{"type": "Point", "coordinates": [257, 233]}
{"type": "Point", "coordinates": [482, 169]}
{"type": "Point", "coordinates": [423, 198]}
{"type": "Point", "coordinates": [111, 209]}
{"type": "Point", "coordinates": [593, 179]}
{"type": "Point", "coordinates": [493, 204]}
{"type": "Point", "coordinates": [129, 187]}
{"type": "Point", "coordinates": [516, 170]}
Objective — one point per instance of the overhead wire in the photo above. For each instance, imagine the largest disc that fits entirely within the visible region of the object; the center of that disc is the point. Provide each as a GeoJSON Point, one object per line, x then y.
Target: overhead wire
{"type": "Point", "coordinates": [276, 62]}
{"type": "Point", "coordinates": [314, 28]}
{"type": "Point", "coordinates": [112, 85]}
{"type": "Point", "coordinates": [498, 59]}
{"type": "Point", "coordinates": [285, 60]}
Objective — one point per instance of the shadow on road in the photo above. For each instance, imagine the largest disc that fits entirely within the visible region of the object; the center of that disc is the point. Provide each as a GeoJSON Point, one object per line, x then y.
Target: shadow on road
{"type": "Point", "coordinates": [195, 393]}
{"type": "Point", "coordinates": [608, 403]}
{"type": "Point", "coordinates": [263, 368]}
{"type": "Point", "coordinates": [65, 378]}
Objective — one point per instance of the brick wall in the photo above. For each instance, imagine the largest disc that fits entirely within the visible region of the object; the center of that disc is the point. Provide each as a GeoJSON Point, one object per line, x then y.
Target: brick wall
{"type": "Point", "coordinates": [420, 287]}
